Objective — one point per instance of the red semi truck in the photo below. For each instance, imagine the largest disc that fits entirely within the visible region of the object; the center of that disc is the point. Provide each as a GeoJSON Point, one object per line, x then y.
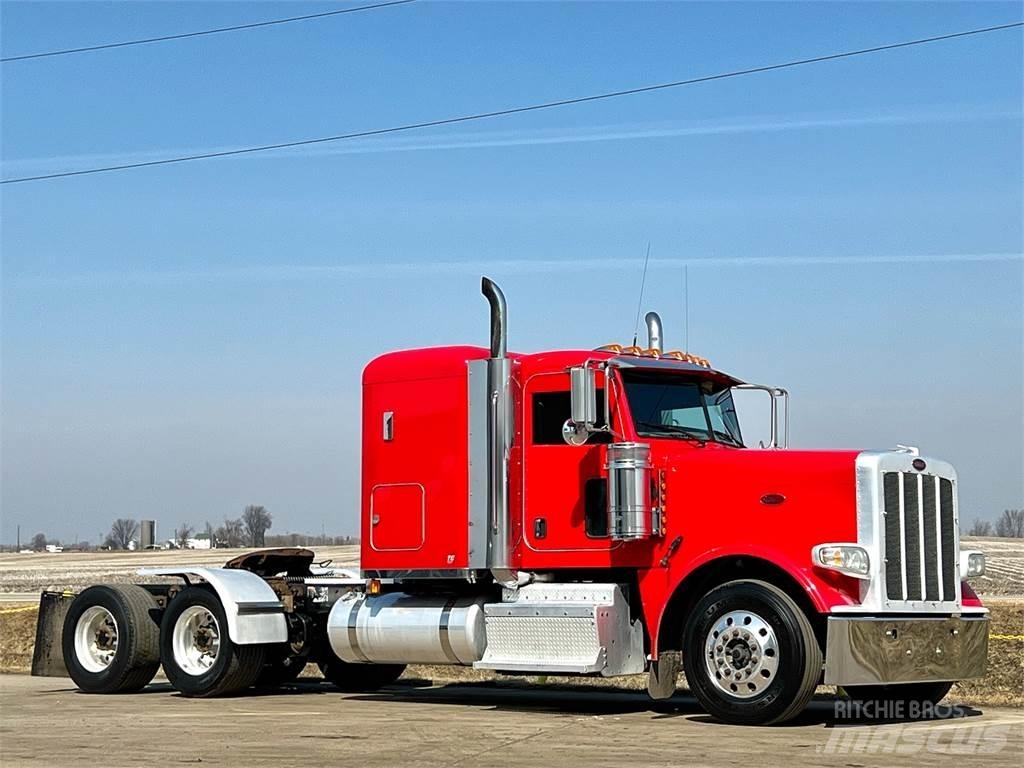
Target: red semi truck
{"type": "Point", "coordinates": [581, 512]}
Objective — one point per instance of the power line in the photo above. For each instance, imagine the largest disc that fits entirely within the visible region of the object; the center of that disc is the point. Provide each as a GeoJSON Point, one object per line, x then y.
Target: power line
{"type": "Point", "coordinates": [200, 33]}
{"type": "Point", "coordinates": [510, 110]}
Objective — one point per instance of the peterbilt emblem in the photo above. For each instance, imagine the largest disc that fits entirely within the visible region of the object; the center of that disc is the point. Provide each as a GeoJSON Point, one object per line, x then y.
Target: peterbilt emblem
{"type": "Point", "coordinates": [918, 464]}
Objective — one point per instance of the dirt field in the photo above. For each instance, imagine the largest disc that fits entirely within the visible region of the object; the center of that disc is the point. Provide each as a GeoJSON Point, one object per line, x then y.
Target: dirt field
{"type": "Point", "coordinates": [1004, 565]}
{"type": "Point", "coordinates": [44, 721]}
{"type": "Point", "coordinates": [22, 575]}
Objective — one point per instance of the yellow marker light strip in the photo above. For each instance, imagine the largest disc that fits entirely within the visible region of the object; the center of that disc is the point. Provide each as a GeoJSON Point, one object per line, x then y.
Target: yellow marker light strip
{"type": "Point", "coordinates": [675, 354]}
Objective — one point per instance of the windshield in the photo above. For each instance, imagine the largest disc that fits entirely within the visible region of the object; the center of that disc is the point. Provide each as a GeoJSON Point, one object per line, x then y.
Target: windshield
{"type": "Point", "coordinates": [666, 405]}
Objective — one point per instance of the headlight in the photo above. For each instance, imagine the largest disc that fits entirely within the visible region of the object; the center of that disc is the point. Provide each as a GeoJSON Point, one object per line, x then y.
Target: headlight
{"type": "Point", "coordinates": [850, 559]}
{"type": "Point", "coordinates": [972, 564]}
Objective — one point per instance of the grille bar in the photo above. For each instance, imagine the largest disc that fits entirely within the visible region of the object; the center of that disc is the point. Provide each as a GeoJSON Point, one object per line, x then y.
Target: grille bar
{"type": "Point", "coordinates": [893, 548]}
{"type": "Point", "coordinates": [911, 539]}
{"type": "Point", "coordinates": [947, 530]}
{"type": "Point", "coordinates": [919, 537]}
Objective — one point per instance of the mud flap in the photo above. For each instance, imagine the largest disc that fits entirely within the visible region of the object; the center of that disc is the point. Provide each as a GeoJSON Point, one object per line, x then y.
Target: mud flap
{"type": "Point", "coordinates": [47, 656]}
{"type": "Point", "coordinates": [662, 676]}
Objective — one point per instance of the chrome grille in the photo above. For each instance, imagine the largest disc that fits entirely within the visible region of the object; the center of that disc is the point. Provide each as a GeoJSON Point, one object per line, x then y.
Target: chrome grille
{"type": "Point", "coordinates": [920, 537]}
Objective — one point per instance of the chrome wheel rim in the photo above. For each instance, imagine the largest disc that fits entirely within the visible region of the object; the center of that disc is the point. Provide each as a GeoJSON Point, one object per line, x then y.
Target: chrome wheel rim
{"type": "Point", "coordinates": [96, 639]}
{"type": "Point", "coordinates": [741, 654]}
{"type": "Point", "coordinates": [196, 640]}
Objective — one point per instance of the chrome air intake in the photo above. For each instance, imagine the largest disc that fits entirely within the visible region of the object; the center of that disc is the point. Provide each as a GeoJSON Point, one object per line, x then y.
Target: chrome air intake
{"type": "Point", "coordinates": [629, 491]}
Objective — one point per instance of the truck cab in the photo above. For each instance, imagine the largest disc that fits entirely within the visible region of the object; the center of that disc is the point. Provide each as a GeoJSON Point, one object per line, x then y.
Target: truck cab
{"type": "Point", "coordinates": [628, 464]}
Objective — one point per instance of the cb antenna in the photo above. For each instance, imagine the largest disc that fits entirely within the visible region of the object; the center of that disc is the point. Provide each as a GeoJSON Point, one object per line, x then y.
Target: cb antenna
{"type": "Point", "coordinates": [643, 281]}
{"type": "Point", "coordinates": [686, 307]}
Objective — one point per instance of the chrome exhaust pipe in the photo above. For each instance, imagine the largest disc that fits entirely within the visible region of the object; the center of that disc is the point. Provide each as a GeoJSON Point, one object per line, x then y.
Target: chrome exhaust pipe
{"type": "Point", "coordinates": [653, 320]}
{"type": "Point", "coordinates": [499, 317]}
{"type": "Point", "coordinates": [499, 440]}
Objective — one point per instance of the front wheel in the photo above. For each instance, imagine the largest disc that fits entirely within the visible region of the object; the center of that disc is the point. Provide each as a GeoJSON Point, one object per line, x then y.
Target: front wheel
{"type": "Point", "coordinates": [750, 654]}
{"type": "Point", "coordinates": [198, 656]}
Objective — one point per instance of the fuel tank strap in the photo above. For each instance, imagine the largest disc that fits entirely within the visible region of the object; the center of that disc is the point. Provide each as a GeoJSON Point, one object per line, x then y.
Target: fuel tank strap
{"type": "Point", "coordinates": [353, 634]}
{"type": "Point", "coordinates": [446, 641]}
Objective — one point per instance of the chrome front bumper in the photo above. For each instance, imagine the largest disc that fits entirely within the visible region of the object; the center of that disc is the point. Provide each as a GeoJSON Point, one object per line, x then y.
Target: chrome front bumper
{"type": "Point", "coordinates": [880, 650]}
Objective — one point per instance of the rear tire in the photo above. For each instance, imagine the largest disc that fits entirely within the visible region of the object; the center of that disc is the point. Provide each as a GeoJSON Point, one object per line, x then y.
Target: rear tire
{"type": "Point", "coordinates": [750, 654]}
{"type": "Point", "coordinates": [199, 658]}
{"type": "Point", "coordinates": [111, 637]}
{"type": "Point", "coordinates": [359, 677]}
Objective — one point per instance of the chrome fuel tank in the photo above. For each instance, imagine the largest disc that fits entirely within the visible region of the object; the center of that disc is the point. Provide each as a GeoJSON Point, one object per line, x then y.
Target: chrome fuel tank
{"type": "Point", "coordinates": [396, 628]}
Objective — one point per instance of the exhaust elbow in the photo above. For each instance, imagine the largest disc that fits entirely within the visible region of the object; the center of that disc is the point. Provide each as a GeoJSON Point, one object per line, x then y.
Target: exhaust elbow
{"type": "Point", "coordinates": [499, 313]}
{"type": "Point", "coordinates": [653, 320]}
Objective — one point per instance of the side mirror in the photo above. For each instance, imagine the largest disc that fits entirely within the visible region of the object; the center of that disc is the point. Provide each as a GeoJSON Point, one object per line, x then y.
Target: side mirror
{"type": "Point", "coordinates": [583, 407]}
{"type": "Point", "coordinates": [583, 393]}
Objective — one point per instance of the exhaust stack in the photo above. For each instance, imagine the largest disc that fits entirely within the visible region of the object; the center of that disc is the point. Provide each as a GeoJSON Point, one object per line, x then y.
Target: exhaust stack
{"type": "Point", "coordinates": [653, 320]}
{"type": "Point", "coordinates": [499, 441]}
{"type": "Point", "coordinates": [499, 315]}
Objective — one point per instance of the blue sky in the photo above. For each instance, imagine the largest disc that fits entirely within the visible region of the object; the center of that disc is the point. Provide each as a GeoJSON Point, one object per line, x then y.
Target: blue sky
{"type": "Point", "coordinates": [181, 341]}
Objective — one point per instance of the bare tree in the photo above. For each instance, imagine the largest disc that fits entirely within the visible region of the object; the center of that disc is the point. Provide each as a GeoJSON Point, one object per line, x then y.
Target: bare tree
{"type": "Point", "coordinates": [39, 542]}
{"type": "Point", "coordinates": [980, 528]}
{"type": "Point", "coordinates": [256, 520]}
{"type": "Point", "coordinates": [1011, 524]}
{"type": "Point", "coordinates": [121, 533]}
{"type": "Point", "coordinates": [182, 535]}
{"type": "Point", "coordinates": [232, 533]}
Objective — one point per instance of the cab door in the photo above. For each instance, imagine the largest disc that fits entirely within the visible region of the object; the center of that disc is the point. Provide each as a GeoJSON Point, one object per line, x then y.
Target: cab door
{"type": "Point", "coordinates": [563, 499]}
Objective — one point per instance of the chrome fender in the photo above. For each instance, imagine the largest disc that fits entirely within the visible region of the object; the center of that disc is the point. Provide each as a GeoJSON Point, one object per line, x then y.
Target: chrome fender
{"type": "Point", "coordinates": [255, 615]}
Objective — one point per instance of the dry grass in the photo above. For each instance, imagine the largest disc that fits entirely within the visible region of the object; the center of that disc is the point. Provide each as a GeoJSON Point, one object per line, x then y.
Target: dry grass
{"type": "Point", "coordinates": [17, 638]}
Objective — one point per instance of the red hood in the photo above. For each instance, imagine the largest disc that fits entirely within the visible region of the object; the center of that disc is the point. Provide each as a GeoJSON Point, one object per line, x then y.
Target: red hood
{"type": "Point", "coordinates": [774, 503]}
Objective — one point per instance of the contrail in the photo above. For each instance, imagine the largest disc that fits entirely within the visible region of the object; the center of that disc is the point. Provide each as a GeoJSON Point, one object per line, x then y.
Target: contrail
{"type": "Point", "coordinates": [568, 135]}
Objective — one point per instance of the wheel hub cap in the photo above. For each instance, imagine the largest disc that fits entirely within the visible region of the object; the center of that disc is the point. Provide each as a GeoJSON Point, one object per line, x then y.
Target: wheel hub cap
{"type": "Point", "coordinates": [741, 654]}
{"type": "Point", "coordinates": [96, 639]}
{"type": "Point", "coordinates": [196, 640]}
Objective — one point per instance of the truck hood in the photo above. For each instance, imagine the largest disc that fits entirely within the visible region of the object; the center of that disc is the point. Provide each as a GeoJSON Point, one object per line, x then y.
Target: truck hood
{"type": "Point", "coordinates": [776, 503]}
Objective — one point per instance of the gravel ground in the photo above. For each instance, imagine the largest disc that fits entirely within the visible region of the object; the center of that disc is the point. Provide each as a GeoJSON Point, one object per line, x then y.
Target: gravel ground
{"type": "Point", "coordinates": [420, 725]}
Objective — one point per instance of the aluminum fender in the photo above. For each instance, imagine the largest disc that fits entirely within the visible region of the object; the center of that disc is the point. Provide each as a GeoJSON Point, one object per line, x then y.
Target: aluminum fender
{"type": "Point", "coordinates": [255, 615]}
{"type": "Point", "coordinates": [656, 591]}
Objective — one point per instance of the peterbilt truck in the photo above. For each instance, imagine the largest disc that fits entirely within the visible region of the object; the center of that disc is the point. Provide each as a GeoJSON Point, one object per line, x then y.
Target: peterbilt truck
{"type": "Point", "coordinates": [580, 512]}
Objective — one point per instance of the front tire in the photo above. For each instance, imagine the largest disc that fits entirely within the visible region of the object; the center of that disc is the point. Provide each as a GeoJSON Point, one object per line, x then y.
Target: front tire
{"type": "Point", "coordinates": [198, 656]}
{"type": "Point", "coordinates": [110, 639]}
{"type": "Point", "coordinates": [750, 654]}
